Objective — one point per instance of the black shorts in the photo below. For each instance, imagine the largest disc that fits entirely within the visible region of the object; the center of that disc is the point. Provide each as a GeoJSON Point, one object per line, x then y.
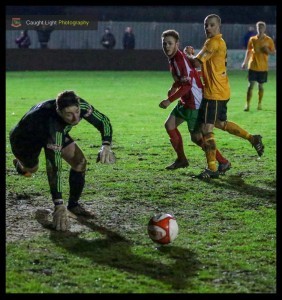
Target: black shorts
{"type": "Point", "coordinates": [260, 77]}
{"type": "Point", "coordinates": [28, 150]}
{"type": "Point", "coordinates": [212, 110]}
{"type": "Point", "coordinates": [27, 154]}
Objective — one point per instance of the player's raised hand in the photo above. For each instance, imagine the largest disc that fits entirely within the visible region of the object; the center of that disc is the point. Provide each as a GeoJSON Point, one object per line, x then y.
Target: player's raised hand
{"type": "Point", "coordinates": [189, 50]}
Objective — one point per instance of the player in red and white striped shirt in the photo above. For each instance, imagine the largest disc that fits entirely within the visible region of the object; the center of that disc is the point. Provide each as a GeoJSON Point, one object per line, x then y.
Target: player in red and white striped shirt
{"type": "Point", "coordinates": [188, 88]}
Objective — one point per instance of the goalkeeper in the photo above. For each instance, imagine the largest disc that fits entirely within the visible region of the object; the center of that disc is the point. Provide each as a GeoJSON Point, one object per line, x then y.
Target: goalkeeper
{"type": "Point", "coordinates": [47, 125]}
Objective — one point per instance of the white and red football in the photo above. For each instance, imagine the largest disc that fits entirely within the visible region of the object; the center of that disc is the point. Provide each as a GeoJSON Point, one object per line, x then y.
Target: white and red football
{"type": "Point", "coordinates": [162, 228]}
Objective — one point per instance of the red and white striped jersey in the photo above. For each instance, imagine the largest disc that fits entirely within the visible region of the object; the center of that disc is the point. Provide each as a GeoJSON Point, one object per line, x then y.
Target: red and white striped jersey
{"type": "Point", "coordinates": [187, 80]}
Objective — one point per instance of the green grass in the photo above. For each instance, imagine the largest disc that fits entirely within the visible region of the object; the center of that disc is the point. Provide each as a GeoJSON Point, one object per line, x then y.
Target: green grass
{"type": "Point", "coordinates": [227, 227]}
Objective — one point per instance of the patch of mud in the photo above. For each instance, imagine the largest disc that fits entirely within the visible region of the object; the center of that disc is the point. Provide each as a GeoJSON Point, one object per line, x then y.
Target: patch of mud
{"type": "Point", "coordinates": [27, 216]}
{"type": "Point", "coordinates": [31, 215]}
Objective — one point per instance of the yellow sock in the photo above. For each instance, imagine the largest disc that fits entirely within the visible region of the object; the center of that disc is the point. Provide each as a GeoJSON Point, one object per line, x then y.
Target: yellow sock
{"type": "Point", "coordinates": [235, 129]}
{"type": "Point", "coordinates": [212, 165]}
{"type": "Point", "coordinates": [210, 150]}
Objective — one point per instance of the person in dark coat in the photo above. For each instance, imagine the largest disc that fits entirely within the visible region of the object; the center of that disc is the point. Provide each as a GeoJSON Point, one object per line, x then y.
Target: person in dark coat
{"type": "Point", "coordinates": [128, 40]}
{"type": "Point", "coordinates": [23, 41]}
{"type": "Point", "coordinates": [108, 40]}
{"type": "Point", "coordinates": [44, 34]}
{"type": "Point", "coordinates": [251, 32]}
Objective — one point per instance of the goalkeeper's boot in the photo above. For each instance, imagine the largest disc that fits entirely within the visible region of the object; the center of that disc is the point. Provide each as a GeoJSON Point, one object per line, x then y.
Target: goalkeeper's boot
{"type": "Point", "coordinates": [79, 210]}
{"type": "Point", "coordinates": [178, 164]}
{"type": "Point", "coordinates": [207, 174]}
{"type": "Point", "coordinates": [16, 163]}
{"type": "Point", "coordinates": [222, 168]}
{"type": "Point", "coordinates": [257, 143]}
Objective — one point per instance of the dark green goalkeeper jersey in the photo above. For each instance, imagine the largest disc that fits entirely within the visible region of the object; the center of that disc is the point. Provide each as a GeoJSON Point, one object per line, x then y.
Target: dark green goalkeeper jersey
{"type": "Point", "coordinates": [41, 127]}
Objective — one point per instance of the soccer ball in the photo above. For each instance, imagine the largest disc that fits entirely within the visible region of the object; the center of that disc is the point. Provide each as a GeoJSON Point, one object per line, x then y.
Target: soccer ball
{"type": "Point", "coordinates": [162, 228]}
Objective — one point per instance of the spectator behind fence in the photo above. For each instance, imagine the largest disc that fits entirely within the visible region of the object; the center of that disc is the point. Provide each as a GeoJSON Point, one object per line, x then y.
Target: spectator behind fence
{"type": "Point", "coordinates": [251, 32]}
{"type": "Point", "coordinates": [108, 40]}
{"type": "Point", "coordinates": [23, 41]}
{"type": "Point", "coordinates": [128, 39]}
{"type": "Point", "coordinates": [44, 34]}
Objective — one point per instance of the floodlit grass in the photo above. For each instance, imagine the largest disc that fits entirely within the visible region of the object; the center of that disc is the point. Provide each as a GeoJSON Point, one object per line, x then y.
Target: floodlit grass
{"type": "Point", "coordinates": [227, 227]}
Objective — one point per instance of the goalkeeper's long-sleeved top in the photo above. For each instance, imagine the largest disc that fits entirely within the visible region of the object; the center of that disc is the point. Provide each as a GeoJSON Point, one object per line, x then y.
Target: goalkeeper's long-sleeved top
{"type": "Point", "coordinates": [42, 127]}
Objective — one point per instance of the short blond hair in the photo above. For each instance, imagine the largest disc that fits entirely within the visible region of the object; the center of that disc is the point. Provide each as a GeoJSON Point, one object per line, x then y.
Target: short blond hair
{"type": "Point", "coordinates": [261, 23]}
{"type": "Point", "coordinates": [213, 16]}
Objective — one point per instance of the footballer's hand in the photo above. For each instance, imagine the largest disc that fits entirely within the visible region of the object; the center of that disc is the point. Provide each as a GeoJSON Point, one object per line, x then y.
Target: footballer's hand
{"type": "Point", "coordinates": [60, 218]}
{"type": "Point", "coordinates": [164, 104]}
{"type": "Point", "coordinates": [189, 50]}
{"type": "Point", "coordinates": [106, 155]}
{"type": "Point", "coordinates": [243, 66]}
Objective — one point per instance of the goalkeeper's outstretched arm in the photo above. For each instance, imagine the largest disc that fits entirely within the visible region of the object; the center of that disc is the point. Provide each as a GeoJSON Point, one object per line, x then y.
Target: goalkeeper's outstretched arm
{"type": "Point", "coordinates": [101, 122]}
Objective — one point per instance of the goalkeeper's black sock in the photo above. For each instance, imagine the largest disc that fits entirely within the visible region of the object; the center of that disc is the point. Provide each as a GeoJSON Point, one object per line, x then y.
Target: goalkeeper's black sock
{"type": "Point", "coordinates": [76, 183]}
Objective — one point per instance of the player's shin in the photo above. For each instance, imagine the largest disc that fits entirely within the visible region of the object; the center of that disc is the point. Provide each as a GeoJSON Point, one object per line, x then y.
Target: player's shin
{"type": "Point", "coordinates": [219, 156]}
{"type": "Point", "coordinates": [177, 143]}
{"type": "Point", "coordinates": [76, 184]}
{"type": "Point", "coordinates": [210, 150]}
{"type": "Point", "coordinates": [235, 129]}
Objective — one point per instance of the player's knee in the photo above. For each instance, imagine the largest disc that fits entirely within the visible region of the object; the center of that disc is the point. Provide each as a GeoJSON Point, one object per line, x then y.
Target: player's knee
{"type": "Point", "coordinates": [197, 139]}
{"type": "Point", "coordinates": [80, 165]}
{"type": "Point", "coordinates": [221, 125]}
{"type": "Point", "coordinates": [168, 127]}
{"type": "Point", "coordinates": [251, 85]}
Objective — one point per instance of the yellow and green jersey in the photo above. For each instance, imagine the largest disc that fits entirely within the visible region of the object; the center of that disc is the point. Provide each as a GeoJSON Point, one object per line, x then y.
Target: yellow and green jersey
{"type": "Point", "coordinates": [213, 57]}
{"type": "Point", "coordinates": [259, 59]}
